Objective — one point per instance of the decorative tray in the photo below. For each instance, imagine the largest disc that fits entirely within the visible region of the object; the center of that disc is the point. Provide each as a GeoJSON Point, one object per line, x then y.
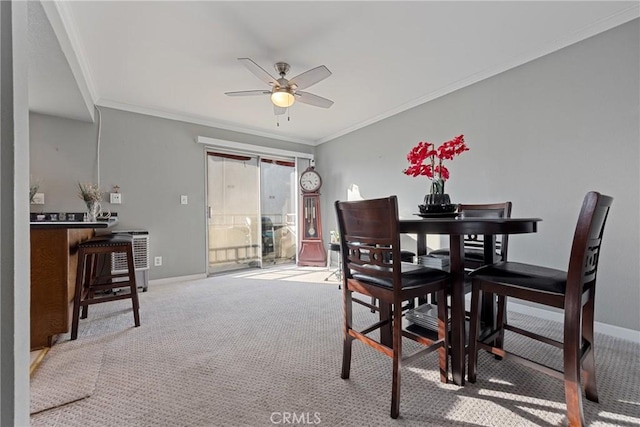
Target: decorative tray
{"type": "Point", "coordinates": [438, 215]}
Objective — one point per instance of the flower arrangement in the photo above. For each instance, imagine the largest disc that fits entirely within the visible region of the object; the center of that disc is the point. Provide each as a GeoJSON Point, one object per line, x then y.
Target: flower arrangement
{"type": "Point", "coordinates": [434, 157]}
{"type": "Point", "coordinates": [90, 192]}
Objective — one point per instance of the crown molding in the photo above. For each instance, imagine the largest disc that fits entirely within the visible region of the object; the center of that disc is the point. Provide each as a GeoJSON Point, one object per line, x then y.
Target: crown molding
{"type": "Point", "coordinates": [197, 120]}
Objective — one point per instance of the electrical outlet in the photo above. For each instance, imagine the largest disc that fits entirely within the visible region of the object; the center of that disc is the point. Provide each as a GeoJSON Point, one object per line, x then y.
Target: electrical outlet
{"type": "Point", "coordinates": [157, 261]}
{"type": "Point", "coordinates": [184, 200]}
{"type": "Point", "coordinates": [38, 199]}
{"type": "Point", "coordinates": [115, 198]}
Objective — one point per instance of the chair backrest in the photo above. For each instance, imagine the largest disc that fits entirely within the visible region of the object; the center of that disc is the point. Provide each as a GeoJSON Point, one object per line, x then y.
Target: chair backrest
{"type": "Point", "coordinates": [369, 238]}
{"type": "Point", "coordinates": [487, 210]}
{"type": "Point", "coordinates": [585, 250]}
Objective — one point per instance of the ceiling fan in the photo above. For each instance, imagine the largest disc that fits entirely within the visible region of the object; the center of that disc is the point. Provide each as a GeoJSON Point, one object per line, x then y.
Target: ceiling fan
{"type": "Point", "coordinates": [284, 92]}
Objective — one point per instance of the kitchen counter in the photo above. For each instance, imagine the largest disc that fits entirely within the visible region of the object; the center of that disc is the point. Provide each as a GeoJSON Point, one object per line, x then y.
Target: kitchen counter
{"type": "Point", "coordinates": [73, 224]}
{"type": "Point", "coordinates": [54, 261]}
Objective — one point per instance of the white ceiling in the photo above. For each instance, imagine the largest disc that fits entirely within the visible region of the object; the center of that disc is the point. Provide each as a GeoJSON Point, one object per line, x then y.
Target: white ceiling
{"type": "Point", "coordinates": [176, 59]}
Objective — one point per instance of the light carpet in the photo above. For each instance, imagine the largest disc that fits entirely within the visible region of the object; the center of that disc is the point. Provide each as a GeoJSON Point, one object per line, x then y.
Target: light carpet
{"type": "Point", "coordinates": [49, 389]}
{"type": "Point", "coordinates": [242, 350]}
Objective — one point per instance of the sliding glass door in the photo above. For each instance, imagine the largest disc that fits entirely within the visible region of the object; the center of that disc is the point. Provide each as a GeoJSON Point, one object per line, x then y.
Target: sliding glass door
{"type": "Point", "coordinates": [233, 212]}
{"type": "Point", "coordinates": [251, 211]}
{"type": "Point", "coordinates": [277, 206]}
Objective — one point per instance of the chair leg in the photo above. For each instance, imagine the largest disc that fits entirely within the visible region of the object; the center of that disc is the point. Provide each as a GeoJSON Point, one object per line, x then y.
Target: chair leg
{"type": "Point", "coordinates": [347, 339]}
{"type": "Point", "coordinates": [589, 364]}
{"type": "Point", "coordinates": [397, 356]}
{"type": "Point", "coordinates": [501, 319]}
{"type": "Point", "coordinates": [373, 302]}
{"type": "Point", "coordinates": [474, 332]}
{"type": "Point", "coordinates": [572, 388]}
{"type": "Point", "coordinates": [443, 334]}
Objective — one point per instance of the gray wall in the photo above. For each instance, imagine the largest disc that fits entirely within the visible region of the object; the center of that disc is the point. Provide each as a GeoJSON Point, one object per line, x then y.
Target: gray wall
{"type": "Point", "coordinates": [540, 135]}
{"type": "Point", "coordinates": [153, 160]}
{"type": "Point", "coordinates": [14, 229]}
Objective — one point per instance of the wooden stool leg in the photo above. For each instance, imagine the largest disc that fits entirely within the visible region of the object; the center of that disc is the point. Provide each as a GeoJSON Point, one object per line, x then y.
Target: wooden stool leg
{"type": "Point", "coordinates": [132, 286]}
{"type": "Point", "coordinates": [90, 272]}
{"type": "Point", "coordinates": [77, 295]}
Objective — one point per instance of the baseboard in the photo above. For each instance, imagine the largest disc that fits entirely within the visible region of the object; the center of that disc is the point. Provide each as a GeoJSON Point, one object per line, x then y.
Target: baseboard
{"type": "Point", "coordinates": [603, 328]}
{"type": "Point", "coordinates": [36, 360]}
{"type": "Point", "coordinates": [177, 279]}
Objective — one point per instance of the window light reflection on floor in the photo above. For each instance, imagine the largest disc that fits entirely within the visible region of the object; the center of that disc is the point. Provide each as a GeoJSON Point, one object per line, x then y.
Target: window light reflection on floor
{"type": "Point", "coordinates": [499, 381]}
{"type": "Point", "coordinates": [617, 418]}
{"type": "Point", "coordinates": [530, 400]}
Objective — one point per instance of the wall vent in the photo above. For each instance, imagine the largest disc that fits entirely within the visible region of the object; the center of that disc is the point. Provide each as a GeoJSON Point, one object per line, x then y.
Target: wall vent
{"type": "Point", "coordinates": [140, 258]}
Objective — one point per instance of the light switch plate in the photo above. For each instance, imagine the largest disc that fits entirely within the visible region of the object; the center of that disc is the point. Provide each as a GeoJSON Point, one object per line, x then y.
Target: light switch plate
{"type": "Point", "coordinates": [184, 200]}
{"type": "Point", "coordinates": [115, 198]}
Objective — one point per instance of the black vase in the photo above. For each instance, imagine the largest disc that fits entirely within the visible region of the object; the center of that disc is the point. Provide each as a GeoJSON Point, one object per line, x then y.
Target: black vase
{"type": "Point", "coordinates": [437, 199]}
{"type": "Point", "coordinates": [437, 203]}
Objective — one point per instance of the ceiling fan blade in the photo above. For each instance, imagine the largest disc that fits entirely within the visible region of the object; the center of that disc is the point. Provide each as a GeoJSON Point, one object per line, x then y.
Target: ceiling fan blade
{"type": "Point", "coordinates": [311, 77]}
{"type": "Point", "coordinates": [248, 93]}
{"type": "Point", "coordinates": [258, 71]}
{"type": "Point", "coordinates": [279, 110]}
{"type": "Point", "coordinates": [311, 99]}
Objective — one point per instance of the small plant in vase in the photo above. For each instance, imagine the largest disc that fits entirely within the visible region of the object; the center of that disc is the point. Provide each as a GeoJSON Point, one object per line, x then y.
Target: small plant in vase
{"type": "Point", "coordinates": [426, 159]}
{"type": "Point", "coordinates": [92, 196]}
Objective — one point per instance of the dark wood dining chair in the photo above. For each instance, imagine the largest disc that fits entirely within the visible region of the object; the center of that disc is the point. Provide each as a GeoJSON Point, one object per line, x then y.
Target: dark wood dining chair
{"type": "Point", "coordinates": [372, 266]}
{"type": "Point", "coordinates": [573, 291]}
{"type": "Point", "coordinates": [474, 244]}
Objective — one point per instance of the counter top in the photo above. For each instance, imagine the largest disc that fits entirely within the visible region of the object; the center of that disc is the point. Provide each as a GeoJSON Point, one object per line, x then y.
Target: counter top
{"type": "Point", "coordinates": [74, 224]}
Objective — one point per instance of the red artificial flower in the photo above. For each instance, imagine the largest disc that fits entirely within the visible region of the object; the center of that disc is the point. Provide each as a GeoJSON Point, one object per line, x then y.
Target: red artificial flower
{"type": "Point", "coordinates": [427, 151]}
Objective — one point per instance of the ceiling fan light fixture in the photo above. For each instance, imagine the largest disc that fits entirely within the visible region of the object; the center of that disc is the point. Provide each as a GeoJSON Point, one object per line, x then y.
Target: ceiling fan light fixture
{"type": "Point", "coordinates": [283, 98]}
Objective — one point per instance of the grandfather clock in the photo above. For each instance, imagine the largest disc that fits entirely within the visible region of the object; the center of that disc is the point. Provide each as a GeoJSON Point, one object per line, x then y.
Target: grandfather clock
{"type": "Point", "coordinates": [312, 252]}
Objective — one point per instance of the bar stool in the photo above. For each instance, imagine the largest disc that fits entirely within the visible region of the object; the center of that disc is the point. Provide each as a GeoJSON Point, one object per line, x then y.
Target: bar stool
{"type": "Point", "coordinates": [90, 278]}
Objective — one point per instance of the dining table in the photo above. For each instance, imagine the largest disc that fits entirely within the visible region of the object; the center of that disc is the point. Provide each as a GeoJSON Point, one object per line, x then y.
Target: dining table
{"type": "Point", "coordinates": [457, 227]}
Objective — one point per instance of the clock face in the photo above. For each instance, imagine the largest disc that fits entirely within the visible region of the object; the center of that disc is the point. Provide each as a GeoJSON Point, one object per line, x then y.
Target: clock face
{"type": "Point", "coordinates": [310, 181]}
